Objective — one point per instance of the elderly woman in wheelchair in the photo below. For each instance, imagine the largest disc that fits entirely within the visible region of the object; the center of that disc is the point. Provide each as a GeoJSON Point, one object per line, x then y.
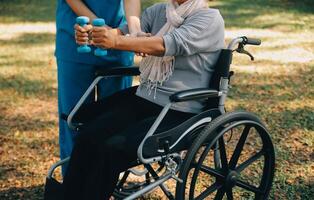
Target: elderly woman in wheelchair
{"type": "Point", "coordinates": [175, 119]}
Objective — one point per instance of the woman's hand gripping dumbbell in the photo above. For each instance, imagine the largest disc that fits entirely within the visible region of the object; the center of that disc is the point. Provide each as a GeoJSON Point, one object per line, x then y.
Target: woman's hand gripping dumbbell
{"type": "Point", "coordinates": [99, 23]}
{"type": "Point", "coordinates": [83, 34]}
{"type": "Point", "coordinates": [107, 38]}
{"type": "Point", "coordinates": [101, 36]}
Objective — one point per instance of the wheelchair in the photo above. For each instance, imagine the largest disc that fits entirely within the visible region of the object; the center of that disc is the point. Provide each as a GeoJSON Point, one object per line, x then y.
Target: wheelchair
{"type": "Point", "coordinates": [213, 155]}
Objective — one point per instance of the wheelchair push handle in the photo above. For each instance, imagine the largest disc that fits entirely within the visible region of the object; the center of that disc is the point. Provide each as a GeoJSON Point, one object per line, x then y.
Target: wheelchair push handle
{"type": "Point", "coordinates": [240, 43]}
{"type": "Point", "coordinates": [99, 23]}
{"type": "Point", "coordinates": [251, 41]}
{"type": "Point", "coordinates": [83, 21]}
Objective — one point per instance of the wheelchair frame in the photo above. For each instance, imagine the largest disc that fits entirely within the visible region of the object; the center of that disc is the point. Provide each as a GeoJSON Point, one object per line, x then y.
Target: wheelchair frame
{"type": "Point", "coordinates": [171, 161]}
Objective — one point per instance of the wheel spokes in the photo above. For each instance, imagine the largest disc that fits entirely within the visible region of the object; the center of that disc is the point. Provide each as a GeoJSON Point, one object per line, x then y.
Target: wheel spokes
{"type": "Point", "coordinates": [248, 187]}
{"type": "Point", "coordinates": [248, 162]}
{"type": "Point", "coordinates": [220, 194]}
{"type": "Point", "coordinates": [208, 191]}
{"type": "Point", "coordinates": [212, 172]}
{"type": "Point", "coordinates": [229, 194]}
{"type": "Point", "coordinates": [223, 155]}
{"type": "Point", "coordinates": [197, 168]}
{"type": "Point", "coordinates": [237, 152]}
{"type": "Point", "coordinates": [250, 148]}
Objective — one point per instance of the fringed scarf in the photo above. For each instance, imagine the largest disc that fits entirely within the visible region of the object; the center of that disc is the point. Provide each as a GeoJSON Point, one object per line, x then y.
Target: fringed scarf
{"type": "Point", "coordinates": [155, 70]}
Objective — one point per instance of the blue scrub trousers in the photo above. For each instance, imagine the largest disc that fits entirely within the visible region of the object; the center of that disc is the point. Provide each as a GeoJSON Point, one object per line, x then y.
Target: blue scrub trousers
{"type": "Point", "coordinates": [73, 81]}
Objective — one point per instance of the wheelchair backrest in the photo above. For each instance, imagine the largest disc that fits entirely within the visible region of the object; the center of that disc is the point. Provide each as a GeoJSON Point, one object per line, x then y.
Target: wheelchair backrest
{"type": "Point", "coordinates": [221, 70]}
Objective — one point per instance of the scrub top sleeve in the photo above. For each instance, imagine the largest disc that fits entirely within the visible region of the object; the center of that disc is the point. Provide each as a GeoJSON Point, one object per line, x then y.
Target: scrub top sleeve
{"type": "Point", "coordinates": [145, 23]}
{"type": "Point", "coordinates": [124, 29]}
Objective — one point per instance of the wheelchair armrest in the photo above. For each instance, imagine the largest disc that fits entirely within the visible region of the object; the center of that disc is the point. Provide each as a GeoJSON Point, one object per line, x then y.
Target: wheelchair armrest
{"type": "Point", "coordinates": [194, 94]}
{"type": "Point", "coordinates": [118, 71]}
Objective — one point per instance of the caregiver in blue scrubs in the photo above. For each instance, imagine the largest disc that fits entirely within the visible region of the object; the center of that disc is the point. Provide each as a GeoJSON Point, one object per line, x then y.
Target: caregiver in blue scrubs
{"type": "Point", "coordinates": [76, 71]}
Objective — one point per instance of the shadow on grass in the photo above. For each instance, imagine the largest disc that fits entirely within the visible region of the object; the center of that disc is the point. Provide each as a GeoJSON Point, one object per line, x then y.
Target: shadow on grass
{"type": "Point", "coordinates": [23, 123]}
{"type": "Point", "coordinates": [242, 13]}
{"type": "Point", "coordinates": [273, 101]}
{"type": "Point", "coordinates": [33, 193]}
{"type": "Point", "coordinates": [5, 169]}
{"type": "Point", "coordinates": [22, 43]}
{"type": "Point", "coordinates": [30, 39]}
{"type": "Point", "coordinates": [297, 191]}
{"type": "Point", "coordinates": [296, 119]}
{"type": "Point", "coordinates": [27, 11]}
{"type": "Point", "coordinates": [9, 61]}
{"type": "Point", "coordinates": [26, 87]}
{"type": "Point", "coordinates": [238, 13]}
{"type": "Point", "coordinates": [38, 10]}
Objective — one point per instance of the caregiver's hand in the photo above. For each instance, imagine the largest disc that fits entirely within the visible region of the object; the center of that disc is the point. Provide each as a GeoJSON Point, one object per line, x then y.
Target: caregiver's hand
{"type": "Point", "coordinates": [142, 34]}
{"type": "Point", "coordinates": [104, 38]}
{"type": "Point", "coordinates": [82, 34]}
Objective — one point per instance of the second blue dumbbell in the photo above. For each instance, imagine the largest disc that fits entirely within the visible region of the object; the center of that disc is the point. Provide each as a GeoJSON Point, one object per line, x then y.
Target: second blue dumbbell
{"type": "Point", "coordinates": [99, 22]}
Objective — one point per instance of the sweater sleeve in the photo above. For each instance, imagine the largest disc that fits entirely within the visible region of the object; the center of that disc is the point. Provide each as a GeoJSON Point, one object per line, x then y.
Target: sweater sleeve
{"type": "Point", "coordinates": [146, 20]}
{"type": "Point", "coordinates": [201, 32]}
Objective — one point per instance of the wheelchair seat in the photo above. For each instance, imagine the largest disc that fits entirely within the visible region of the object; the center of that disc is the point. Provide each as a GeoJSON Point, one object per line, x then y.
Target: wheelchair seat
{"type": "Point", "coordinates": [180, 137]}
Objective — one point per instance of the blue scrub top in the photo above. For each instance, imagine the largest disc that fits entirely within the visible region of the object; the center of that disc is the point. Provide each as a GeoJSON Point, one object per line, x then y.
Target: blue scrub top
{"type": "Point", "coordinates": [110, 10]}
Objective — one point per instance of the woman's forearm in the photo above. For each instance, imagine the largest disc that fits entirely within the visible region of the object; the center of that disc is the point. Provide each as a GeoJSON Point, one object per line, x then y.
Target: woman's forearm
{"type": "Point", "coordinates": [147, 45]}
{"type": "Point", "coordinates": [132, 11]}
{"type": "Point", "coordinates": [104, 38]}
{"type": "Point", "coordinates": [79, 7]}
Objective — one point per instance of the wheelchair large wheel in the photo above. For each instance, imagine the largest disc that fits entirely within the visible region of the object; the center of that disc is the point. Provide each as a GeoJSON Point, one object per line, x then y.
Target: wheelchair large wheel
{"type": "Point", "coordinates": [232, 158]}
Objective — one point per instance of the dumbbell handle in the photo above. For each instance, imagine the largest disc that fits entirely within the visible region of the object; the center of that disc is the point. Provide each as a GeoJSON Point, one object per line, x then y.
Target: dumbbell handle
{"type": "Point", "coordinates": [82, 21]}
{"type": "Point", "coordinates": [99, 22]}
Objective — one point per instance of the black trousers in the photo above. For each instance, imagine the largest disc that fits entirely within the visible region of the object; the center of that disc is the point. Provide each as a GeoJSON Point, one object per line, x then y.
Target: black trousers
{"type": "Point", "coordinates": [107, 144]}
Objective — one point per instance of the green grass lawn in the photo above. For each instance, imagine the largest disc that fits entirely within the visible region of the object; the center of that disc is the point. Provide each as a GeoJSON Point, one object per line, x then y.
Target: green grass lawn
{"type": "Point", "coordinates": [278, 86]}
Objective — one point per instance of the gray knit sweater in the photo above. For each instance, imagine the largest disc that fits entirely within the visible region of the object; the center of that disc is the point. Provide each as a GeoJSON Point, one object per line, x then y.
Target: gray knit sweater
{"type": "Point", "coordinates": [195, 44]}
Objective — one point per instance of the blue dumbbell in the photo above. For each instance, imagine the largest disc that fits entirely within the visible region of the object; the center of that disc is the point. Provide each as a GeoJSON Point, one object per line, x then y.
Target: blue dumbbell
{"type": "Point", "coordinates": [82, 21]}
{"type": "Point", "coordinates": [99, 22]}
